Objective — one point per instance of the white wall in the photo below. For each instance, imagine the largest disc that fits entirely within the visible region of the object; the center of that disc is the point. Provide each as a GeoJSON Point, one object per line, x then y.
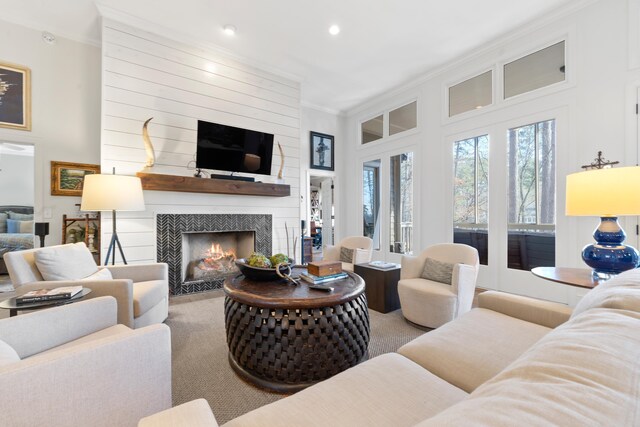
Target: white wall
{"type": "Point", "coordinates": [16, 179]}
{"type": "Point", "coordinates": [65, 80]}
{"type": "Point", "coordinates": [146, 75]}
{"type": "Point", "coordinates": [594, 112]}
{"type": "Point", "coordinates": [330, 123]}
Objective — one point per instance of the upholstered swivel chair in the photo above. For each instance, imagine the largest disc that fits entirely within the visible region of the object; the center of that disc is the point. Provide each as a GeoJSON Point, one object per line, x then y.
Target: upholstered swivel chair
{"type": "Point", "coordinates": [142, 290]}
{"type": "Point", "coordinates": [360, 248]}
{"type": "Point", "coordinates": [75, 366]}
{"type": "Point", "coordinates": [424, 297]}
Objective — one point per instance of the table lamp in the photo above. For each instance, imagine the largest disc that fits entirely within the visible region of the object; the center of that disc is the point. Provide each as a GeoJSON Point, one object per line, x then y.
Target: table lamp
{"type": "Point", "coordinates": [112, 193]}
{"type": "Point", "coordinates": [607, 193]}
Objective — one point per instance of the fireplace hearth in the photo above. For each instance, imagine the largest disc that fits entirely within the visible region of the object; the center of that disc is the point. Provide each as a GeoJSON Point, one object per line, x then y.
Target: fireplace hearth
{"type": "Point", "coordinates": [200, 249]}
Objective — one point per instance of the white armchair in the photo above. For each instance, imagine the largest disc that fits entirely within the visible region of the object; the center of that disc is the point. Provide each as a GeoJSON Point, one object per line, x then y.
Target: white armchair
{"type": "Point", "coordinates": [362, 249]}
{"type": "Point", "coordinates": [142, 290]}
{"type": "Point", "coordinates": [430, 303]}
{"type": "Point", "coordinates": [74, 366]}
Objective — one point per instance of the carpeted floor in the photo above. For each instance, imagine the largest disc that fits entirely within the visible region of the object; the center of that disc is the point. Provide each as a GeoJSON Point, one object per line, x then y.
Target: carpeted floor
{"type": "Point", "coordinates": [200, 366]}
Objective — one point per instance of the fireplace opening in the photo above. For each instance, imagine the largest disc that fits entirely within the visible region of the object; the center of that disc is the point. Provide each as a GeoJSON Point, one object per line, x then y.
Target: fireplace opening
{"type": "Point", "coordinates": [212, 255]}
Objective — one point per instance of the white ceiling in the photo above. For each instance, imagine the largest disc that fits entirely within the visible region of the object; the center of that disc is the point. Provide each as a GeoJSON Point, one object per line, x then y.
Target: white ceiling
{"type": "Point", "coordinates": [383, 43]}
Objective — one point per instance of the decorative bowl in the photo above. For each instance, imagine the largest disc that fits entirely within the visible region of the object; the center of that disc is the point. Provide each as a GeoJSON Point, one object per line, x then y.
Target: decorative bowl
{"type": "Point", "coordinates": [260, 273]}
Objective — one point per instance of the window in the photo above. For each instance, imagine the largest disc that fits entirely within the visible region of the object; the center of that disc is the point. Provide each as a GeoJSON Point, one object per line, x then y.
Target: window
{"type": "Point", "coordinates": [371, 201]}
{"type": "Point", "coordinates": [471, 194]}
{"type": "Point", "coordinates": [372, 129]}
{"type": "Point", "coordinates": [403, 118]}
{"type": "Point", "coordinates": [532, 195]}
{"type": "Point", "coordinates": [401, 204]}
{"type": "Point", "coordinates": [542, 68]}
{"type": "Point", "coordinates": [471, 94]}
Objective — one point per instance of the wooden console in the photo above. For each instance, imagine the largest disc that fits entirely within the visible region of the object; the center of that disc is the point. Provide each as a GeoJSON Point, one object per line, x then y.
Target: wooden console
{"type": "Point", "coordinates": [188, 184]}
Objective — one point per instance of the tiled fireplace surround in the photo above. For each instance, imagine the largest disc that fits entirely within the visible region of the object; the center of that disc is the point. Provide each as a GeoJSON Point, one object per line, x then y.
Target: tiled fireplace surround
{"type": "Point", "coordinates": [170, 230]}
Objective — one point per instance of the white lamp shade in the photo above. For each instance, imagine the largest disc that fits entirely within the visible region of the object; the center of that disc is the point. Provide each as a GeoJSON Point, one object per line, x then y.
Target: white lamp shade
{"type": "Point", "coordinates": [604, 192]}
{"type": "Point", "coordinates": [112, 192]}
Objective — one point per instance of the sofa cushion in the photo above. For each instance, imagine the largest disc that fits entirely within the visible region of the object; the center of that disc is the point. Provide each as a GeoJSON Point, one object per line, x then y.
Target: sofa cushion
{"type": "Point", "coordinates": [622, 292]}
{"type": "Point", "coordinates": [388, 390]}
{"type": "Point", "coordinates": [437, 271]}
{"type": "Point", "coordinates": [17, 226]}
{"type": "Point", "coordinates": [346, 255]}
{"type": "Point", "coordinates": [65, 262]}
{"type": "Point", "coordinates": [583, 373]}
{"type": "Point", "coordinates": [7, 354]}
{"type": "Point", "coordinates": [147, 294]}
{"type": "Point", "coordinates": [474, 348]}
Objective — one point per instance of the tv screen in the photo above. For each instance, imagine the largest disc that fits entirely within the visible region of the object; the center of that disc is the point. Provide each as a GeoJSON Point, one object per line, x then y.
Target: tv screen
{"type": "Point", "coordinates": [233, 149]}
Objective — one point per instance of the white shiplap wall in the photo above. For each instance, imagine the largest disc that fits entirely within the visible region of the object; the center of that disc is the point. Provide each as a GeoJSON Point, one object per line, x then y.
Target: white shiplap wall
{"type": "Point", "coordinates": [145, 75]}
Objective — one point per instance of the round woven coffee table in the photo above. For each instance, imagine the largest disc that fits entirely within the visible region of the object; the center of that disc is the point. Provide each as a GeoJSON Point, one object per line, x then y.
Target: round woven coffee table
{"type": "Point", "coordinates": [285, 338]}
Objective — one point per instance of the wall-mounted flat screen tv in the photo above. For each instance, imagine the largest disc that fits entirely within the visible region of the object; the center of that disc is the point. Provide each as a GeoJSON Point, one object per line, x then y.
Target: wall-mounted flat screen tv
{"type": "Point", "coordinates": [229, 148]}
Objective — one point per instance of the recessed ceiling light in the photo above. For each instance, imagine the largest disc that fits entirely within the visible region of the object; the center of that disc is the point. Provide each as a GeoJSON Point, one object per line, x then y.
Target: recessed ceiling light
{"type": "Point", "coordinates": [229, 30]}
{"type": "Point", "coordinates": [334, 30]}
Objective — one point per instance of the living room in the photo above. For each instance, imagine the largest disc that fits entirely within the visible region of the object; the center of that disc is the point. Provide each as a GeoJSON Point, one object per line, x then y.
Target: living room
{"type": "Point", "coordinates": [98, 72]}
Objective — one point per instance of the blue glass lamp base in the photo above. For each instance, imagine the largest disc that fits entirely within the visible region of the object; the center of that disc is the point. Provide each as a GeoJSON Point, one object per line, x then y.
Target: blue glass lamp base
{"type": "Point", "coordinates": [609, 256]}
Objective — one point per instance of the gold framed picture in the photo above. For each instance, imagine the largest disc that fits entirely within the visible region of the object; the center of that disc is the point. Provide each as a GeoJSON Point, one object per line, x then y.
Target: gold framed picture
{"type": "Point", "coordinates": [67, 179]}
{"type": "Point", "coordinates": [15, 96]}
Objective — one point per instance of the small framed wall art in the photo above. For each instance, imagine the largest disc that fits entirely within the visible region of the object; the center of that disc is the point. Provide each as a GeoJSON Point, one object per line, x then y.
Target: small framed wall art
{"type": "Point", "coordinates": [15, 96]}
{"type": "Point", "coordinates": [322, 151]}
{"type": "Point", "coordinates": [67, 179]}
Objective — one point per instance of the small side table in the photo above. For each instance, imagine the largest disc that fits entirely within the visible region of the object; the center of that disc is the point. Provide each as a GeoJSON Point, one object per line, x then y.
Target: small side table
{"type": "Point", "coordinates": [580, 277]}
{"type": "Point", "coordinates": [381, 286]}
{"type": "Point", "coordinates": [11, 305]}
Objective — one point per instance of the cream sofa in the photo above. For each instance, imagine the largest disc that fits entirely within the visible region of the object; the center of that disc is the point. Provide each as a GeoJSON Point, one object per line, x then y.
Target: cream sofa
{"type": "Point", "coordinates": [511, 361]}
{"type": "Point", "coordinates": [75, 366]}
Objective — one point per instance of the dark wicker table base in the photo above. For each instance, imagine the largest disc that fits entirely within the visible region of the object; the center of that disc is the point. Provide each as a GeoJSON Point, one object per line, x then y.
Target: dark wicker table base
{"type": "Point", "coordinates": [286, 350]}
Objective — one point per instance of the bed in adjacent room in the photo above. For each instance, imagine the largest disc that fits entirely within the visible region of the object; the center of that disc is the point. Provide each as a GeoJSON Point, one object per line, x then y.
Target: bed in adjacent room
{"type": "Point", "coordinates": [16, 230]}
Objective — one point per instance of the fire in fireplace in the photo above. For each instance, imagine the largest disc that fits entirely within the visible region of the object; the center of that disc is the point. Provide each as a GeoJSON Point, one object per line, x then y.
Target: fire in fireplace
{"type": "Point", "coordinates": [215, 261]}
{"type": "Point", "coordinates": [212, 255]}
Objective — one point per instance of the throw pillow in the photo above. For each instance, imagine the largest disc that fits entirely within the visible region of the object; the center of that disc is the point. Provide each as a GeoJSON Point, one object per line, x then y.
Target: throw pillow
{"type": "Point", "coordinates": [15, 226]}
{"type": "Point", "coordinates": [3, 222]}
{"type": "Point", "coordinates": [437, 271]}
{"type": "Point", "coordinates": [65, 262]}
{"type": "Point", "coordinates": [346, 255]}
{"type": "Point", "coordinates": [20, 217]}
{"type": "Point", "coordinates": [102, 274]}
{"type": "Point", "coordinates": [7, 354]}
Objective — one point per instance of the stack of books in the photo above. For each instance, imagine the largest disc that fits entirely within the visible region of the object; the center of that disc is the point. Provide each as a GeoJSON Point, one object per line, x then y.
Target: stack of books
{"type": "Point", "coordinates": [316, 280]}
{"type": "Point", "coordinates": [42, 295]}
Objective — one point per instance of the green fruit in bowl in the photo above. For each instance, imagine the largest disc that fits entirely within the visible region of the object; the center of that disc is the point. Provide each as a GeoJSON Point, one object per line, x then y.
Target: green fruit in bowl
{"type": "Point", "coordinates": [258, 260]}
{"type": "Point", "coordinates": [279, 258]}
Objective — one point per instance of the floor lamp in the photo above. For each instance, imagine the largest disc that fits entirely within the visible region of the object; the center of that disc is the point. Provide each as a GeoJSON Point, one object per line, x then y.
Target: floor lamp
{"type": "Point", "coordinates": [112, 193]}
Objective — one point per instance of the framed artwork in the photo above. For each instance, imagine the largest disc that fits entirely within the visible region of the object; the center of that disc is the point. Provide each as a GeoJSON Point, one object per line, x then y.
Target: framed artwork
{"type": "Point", "coordinates": [322, 151]}
{"type": "Point", "coordinates": [67, 178]}
{"type": "Point", "coordinates": [15, 96]}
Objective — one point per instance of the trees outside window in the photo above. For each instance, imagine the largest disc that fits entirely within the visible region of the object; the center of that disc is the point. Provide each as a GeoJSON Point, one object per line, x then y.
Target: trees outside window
{"type": "Point", "coordinates": [532, 195]}
{"type": "Point", "coordinates": [471, 193]}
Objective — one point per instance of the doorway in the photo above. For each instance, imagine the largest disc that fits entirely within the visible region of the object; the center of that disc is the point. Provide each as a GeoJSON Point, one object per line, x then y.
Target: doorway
{"type": "Point", "coordinates": [321, 216]}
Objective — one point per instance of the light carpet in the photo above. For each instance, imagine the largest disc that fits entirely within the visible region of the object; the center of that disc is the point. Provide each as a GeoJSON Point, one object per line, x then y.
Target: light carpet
{"type": "Point", "coordinates": [201, 368]}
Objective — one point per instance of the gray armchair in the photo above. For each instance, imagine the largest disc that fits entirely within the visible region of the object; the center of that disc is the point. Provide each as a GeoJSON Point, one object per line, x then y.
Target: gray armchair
{"type": "Point", "coordinates": [142, 290]}
{"type": "Point", "coordinates": [74, 366]}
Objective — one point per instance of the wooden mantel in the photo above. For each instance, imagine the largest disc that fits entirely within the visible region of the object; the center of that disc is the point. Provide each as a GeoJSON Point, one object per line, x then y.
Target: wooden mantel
{"type": "Point", "coordinates": [188, 184]}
